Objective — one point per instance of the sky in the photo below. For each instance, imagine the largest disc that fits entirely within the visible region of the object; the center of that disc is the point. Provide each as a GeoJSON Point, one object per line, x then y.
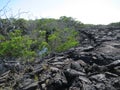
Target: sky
{"type": "Point", "coordinates": [86, 11]}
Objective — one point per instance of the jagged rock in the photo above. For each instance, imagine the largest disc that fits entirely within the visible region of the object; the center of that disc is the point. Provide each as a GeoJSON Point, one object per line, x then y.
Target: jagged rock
{"type": "Point", "coordinates": [88, 87]}
{"type": "Point", "coordinates": [114, 64]}
{"type": "Point", "coordinates": [98, 77]}
{"type": "Point", "coordinates": [54, 69]}
{"type": "Point", "coordinates": [76, 66]}
{"type": "Point", "coordinates": [93, 65]}
{"type": "Point", "coordinates": [3, 69]}
{"type": "Point", "coordinates": [58, 82]}
{"type": "Point", "coordinates": [100, 86]}
{"type": "Point", "coordinates": [117, 70]}
{"type": "Point", "coordinates": [108, 74]}
{"type": "Point", "coordinates": [32, 86]}
{"type": "Point", "coordinates": [27, 84]}
{"type": "Point", "coordinates": [73, 73]}
{"type": "Point", "coordinates": [84, 79]}
{"type": "Point", "coordinates": [116, 83]}
{"type": "Point", "coordinates": [74, 88]}
{"type": "Point", "coordinates": [14, 66]}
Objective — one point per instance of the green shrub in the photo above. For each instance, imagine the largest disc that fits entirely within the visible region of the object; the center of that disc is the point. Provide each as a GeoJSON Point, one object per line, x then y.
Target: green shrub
{"type": "Point", "coordinates": [62, 40]}
{"type": "Point", "coordinates": [48, 37]}
{"type": "Point", "coordinates": [2, 38]}
{"type": "Point", "coordinates": [17, 45]}
{"type": "Point", "coordinates": [67, 45]}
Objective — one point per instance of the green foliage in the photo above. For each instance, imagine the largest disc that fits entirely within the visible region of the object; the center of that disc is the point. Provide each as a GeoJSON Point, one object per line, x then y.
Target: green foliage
{"type": "Point", "coordinates": [70, 22]}
{"type": "Point", "coordinates": [62, 40]}
{"type": "Point", "coordinates": [38, 38]}
{"type": "Point", "coordinates": [67, 45]}
{"type": "Point", "coordinates": [20, 23]}
{"type": "Point", "coordinates": [2, 38]}
{"type": "Point", "coordinates": [17, 45]}
{"type": "Point", "coordinates": [53, 41]}
{"type": "Point", "coordinates": [43, 45]}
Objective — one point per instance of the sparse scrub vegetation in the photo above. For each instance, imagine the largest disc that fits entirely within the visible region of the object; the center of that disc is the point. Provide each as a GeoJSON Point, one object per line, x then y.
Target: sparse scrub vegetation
{"type": "Point", "coordinates": [37, 38]}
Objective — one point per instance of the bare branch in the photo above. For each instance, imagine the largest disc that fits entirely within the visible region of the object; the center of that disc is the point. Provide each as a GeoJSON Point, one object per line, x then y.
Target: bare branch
{"type": "Point", "coordinates": [19, 14]}
{"type": "Point", "coordinates": [5, 6]}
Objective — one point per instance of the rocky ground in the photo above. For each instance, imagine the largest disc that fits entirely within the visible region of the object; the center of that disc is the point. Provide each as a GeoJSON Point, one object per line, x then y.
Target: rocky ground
{"type": "Point", "coordinates": [94, 65]}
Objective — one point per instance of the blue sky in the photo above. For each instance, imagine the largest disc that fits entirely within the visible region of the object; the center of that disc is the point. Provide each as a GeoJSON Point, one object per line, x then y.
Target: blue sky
{"type": "Point", "coordinates": [86, 11]}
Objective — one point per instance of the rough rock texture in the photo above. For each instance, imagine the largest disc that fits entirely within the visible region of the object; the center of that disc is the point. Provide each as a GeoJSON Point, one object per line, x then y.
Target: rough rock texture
{"type": "Point", "coordinates": [94, 65]}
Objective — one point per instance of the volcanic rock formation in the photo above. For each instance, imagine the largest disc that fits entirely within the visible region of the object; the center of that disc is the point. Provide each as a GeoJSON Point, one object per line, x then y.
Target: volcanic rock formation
{"type": "Point", "coordinates": [93, 65]}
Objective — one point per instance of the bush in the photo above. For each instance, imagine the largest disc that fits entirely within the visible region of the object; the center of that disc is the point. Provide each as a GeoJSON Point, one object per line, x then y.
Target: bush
{"type": "Point", "coordinates": [17, 45]}
{"type": "Point", "coordinates": [39, 37]}
{"type": "Point", "coordinates": [62, 40]}
{"type": "Point", "coordinates": [67, 45]}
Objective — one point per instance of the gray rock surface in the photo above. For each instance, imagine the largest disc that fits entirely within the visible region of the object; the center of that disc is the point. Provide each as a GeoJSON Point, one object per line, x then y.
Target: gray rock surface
{"type": "Point", "coordinates": [94, 65]}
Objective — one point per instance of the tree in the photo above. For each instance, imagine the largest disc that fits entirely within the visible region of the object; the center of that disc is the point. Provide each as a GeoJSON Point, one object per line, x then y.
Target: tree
{"type": "Point", "coordinates": [70, 22]}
